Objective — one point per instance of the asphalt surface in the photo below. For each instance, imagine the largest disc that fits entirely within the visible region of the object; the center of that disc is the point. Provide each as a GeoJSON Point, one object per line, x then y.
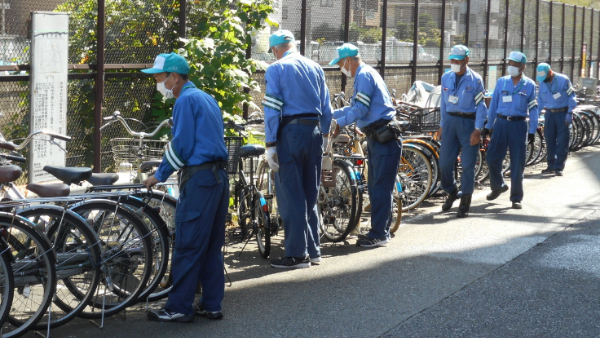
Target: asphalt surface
{"type": "Point", "coordinates": [500, 272]}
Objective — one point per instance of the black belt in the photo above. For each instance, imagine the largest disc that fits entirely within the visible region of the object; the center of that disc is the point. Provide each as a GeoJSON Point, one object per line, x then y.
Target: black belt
{"type": "Point", "coordinates": [304, 121]}
{"type": "Point", "coordinates": [187, 172]}
{"type": "Point", "coordinates": [559, 110]}
{"type": "Point", "coordinates": [512, 118]}
{"type": "Point", "coordinates": [463, 115]}
{"type": "Point", "coordinates": [371, 128]}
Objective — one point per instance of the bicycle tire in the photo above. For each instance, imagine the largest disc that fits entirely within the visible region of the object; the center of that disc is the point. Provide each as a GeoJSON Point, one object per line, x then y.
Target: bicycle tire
{"type": "Point", "coordinates": [265, 183]}
{"type": "Point", "coordinates": [337, 205]}
{"type": "Point", "coordinates": [33, 261]}
{"type": "Point", "coordinates": [396, 207]}
{"type": "Point", "coordinates": [77, 257]}
{"type": "Point", "coordinates": [262, 223]}
{"type": "Point", "coordinates": [121, 257]}
{"type": "Point", "coordinates": [7, 283]}
{"type": "Point", "coordinates": [415, 176]}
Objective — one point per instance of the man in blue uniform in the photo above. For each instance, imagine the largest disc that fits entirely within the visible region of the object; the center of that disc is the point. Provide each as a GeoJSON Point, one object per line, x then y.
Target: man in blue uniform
{"type": "Point", "coordinates": [463, 115]}
{"type": "Point", "coordinates": [296, 103]}
{"type": "Point", "coordinates": [198, 151]}
{"type": "Point", "coordinates": [372, 110]}
{"type": "Point", "coordinates": [557, 97]}
{"type": "Point", "coordinates": [513, 100]}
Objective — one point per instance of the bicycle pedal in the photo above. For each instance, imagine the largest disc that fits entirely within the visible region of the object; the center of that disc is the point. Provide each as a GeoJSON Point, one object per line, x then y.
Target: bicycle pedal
{"type": "Point", "coordinates": [268, 196]}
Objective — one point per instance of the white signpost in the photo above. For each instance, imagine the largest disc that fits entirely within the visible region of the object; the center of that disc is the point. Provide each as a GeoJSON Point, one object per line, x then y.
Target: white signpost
{"type": "Point", "coordinates": [48, 86]}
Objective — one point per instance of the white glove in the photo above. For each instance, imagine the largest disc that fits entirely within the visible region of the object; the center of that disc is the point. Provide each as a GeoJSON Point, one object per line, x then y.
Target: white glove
{"type": "Point", "coordinates": [272, 158]}
{"type": "Point", "coordinates": [325, 143]}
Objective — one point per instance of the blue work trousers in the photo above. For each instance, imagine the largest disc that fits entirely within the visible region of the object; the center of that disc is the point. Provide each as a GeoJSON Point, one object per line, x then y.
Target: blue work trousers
{"type": "Point", "coordinates": [556, 133]}
{"type": "Point", "coordinates": [511, 135]}
{"type": "Point", "coordinates": [199, 238]}
{"type": "Point", "coordinates": [383, 161]}
{"type": "Point", "coordinates": [297, 185]}
{"type": "Point", "coordinates": [456, 135]}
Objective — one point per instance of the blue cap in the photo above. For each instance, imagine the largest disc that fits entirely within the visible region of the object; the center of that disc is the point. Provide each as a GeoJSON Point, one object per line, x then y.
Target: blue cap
{"type": "Point", "coordinates": [344, 51]}
{"type": "Point", "coordinates": [172, 63]}
{"type": "Point", "coordinates": [459, 52]}
{"type": "Point", "coordinates": [517, 57]}
{"type": "Point", "coordinates": [279, 37]}
{"type": "Point", "coordinates": [542, 71]}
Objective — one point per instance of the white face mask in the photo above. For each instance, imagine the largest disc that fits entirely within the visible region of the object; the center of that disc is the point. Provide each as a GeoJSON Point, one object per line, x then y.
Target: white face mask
{"type": "Point", "coordinates": [167, 93]}
{"type": "Point", "coordinates": [455, 68]}
{"type": "Point", "coordinates": [344, 70]}
{"type": "Point", "coordinates": [513, 71]}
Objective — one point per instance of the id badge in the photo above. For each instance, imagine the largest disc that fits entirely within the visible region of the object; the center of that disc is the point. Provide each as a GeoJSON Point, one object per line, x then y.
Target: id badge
{"type": "Point", "coordinates": [556, 96]}
{"type": "Point", "coordinates": [507, 98]}
{"type": "Point", "coordinates": [453, 99]}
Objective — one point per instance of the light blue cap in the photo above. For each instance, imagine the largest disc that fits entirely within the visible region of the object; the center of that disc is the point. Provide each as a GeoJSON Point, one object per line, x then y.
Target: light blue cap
{"type": "Point", "coordinates": [279, 37]}
{"type": "Point", "coordinates": [542, 71]}
{"type": "Point", "coordinates": [344, 51]}
{"type": "Point", "coordinates": [171, 63]}
{"type": "Point", "coordinates": [459, 52]}
{"type": "Point", "coordinates": [517, 57]}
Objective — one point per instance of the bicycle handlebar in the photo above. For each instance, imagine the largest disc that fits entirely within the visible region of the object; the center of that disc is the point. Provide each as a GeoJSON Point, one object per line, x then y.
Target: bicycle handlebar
{"type": "Point", "coordinates": [116, 116]}
{"type": "Point", "coordinates": [23, 144]}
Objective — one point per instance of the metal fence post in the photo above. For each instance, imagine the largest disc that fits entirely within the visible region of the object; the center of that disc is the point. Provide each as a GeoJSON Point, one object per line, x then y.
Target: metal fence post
{"type": "Point", "coordinates": [487, 42]}
{"type": "Point", "coordinates": [303, 27]}
{"type": "Point", "coordinates": [383, 38]}
{"type": "Point", "coordinates": [346, 38]}
{"type": "Point", "coordinates": [582, 41]}
{"type": "Point", "coordinates": [99, 84]}
{"type": "Point", "coordinates": [574, 40]}
{"type": "Point", "coordinates": [591, 47]}
{"type": "Point", "coordinates": [550, 28]}
{"type": "Point", "coordinates": [522, 24]}
{"type": "Point", "coordinates": [505, 38]}
{"type": "Point", "coordinates": [562, 38]}
{"type": "Point", "coordinates": [442, 43]}
{"type": "Point", "coordinates": [413, 76]}
{"type": "Point", "coordinates": [537, 35]}
{"type": "Point", "coordinates": [467, 26]}
{"type": "Point", "coordinates": [182, 20]}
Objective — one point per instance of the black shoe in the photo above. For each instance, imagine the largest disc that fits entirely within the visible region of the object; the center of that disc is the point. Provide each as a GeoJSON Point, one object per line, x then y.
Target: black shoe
{"type": "Point", "coordinates": [559, 173]}
{"type": "Point", "coordinates": [547, 171]}
{"type": "Point", "coordinates": [291, 263]}
{"type": "Point", "coordinates": [369, 243]}
{"type": "Point", "coordinates": [517, 205]}
{"type": "Point", "coordinates": [463, 208]}
{"type": "Point", "coordinates": [164, 315]}
{"type": "Point", "coordinates": [495, 193]}
{"type": "Point", "coordinates": [450, 200]}
{"type": "Point", "coordinates": [208, 314]}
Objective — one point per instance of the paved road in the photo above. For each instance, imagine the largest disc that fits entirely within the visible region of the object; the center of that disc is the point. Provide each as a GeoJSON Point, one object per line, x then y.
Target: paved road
{"type": "Point", "coordinates": [499, 273]}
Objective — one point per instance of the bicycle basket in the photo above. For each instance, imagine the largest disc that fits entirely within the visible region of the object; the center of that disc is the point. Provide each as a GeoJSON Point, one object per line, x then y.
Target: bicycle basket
{"type": "Point", "coordinates": [129, 150]}
{"type": "Point", "coordinates": [425, 120]}
{"type": "Point", "coordinates": [233, 144]}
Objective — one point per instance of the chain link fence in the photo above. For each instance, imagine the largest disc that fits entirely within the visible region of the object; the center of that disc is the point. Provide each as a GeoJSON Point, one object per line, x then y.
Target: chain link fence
{"type": "Point", "coordinates": [405, 41]}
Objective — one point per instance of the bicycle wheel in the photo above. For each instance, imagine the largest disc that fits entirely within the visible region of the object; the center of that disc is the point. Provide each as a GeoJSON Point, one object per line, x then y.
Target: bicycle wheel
{"type": "Point", "coordinates": [265, 183]}
{"type": "Point", "coordinates": [7, 283]}
{"type": "Point", "coordinates": [126, 256]}
{"type": "Point", "coordinates": [261, 223]}
{"type": "Point", "coordinates": [337, 204]}
{"type": "Point", "coordinates": [34, 271]}
{"type": "Point", "coordinates": [77, 256]}
{"type": "Point", "coordinates": [396, 207]}
{"type": "Point", "coordinates": [166, 205]}
{"type": "Point", "coordinates": [415, 176]}
{"type": "Point", "coordinates": [160, 240]}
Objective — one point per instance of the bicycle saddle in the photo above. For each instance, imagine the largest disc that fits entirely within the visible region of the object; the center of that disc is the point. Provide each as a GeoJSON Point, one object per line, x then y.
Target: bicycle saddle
{"type": "Point", "coordinates": [103, 179]}
{"type": "Point", "coordinates": [251, 150]}
{"type": "Point", "coordinates": [70, 175]}
{"type": "Point", "coordinates": [149, 164]}
{"type": "Point", "coordinates": [49, 190]}
{"type": "Point", "coordinates": [9, 173]}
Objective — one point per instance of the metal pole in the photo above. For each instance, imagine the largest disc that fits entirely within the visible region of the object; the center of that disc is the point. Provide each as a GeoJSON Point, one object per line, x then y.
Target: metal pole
{"type": "Point", "coordinates": [346, 38]}
{"type": "Point", "coordinates": [99, 97]}
{"type": "Point", "coordinates": [442, 43]}
{"type": "Point", "coordinates": [562, 38]}
{"type": "Point", "coordinates": [487, 42]}
{"type": "Point", "coordinates": [383, 38]}
{"type": "Point", "coordinates": [303, 28]}
{"type": "Point", "coordinates": [182, 20]}
{"type": "Point", "coordinates": [413, 76]}
{"type": "Point", "coordinates": [597, 70]}
{"type": "Point", "coordinates": [582, 39]}
{"type": "Point", "coordinates": [591, 48]}
{"type": "Point", "coordinates": [550, 35]}
{"type": "Point", "coordinates": [537, 36]}
{"type": "Point", "coordinates": [522, 24]}
{"type": "Point", "coordinates": [505, 38]}
{"type": "Point", "coordinates": [574, 39]}
{"type": "Point", "coordinates": [467, 23]}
